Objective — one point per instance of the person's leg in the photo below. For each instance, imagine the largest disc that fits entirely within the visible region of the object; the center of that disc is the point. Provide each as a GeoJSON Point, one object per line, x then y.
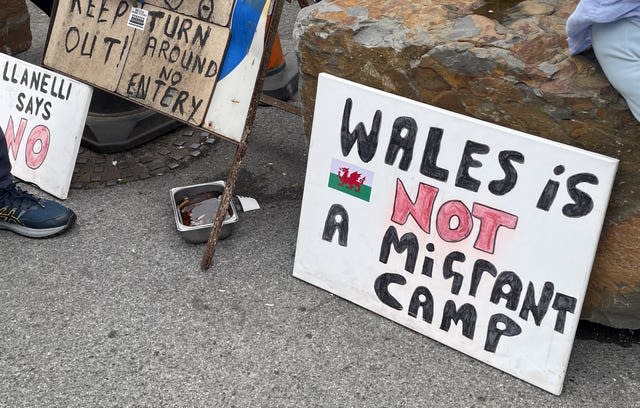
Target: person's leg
{"type": "Point", "coordinates": [25, 214]}
{"type": "Point", "coordinates": [45, 5]}
{"type": "Point", "coordinates": [617, 47]}
{"type": "Point", "coordinates": [5, 164]}
{"type": "Point", "coordinates": [20, 211]}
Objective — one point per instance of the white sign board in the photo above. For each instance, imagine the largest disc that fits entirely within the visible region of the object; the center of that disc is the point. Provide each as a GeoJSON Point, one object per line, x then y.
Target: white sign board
{"type": "Point", "coordinates": [42, 115]}
{"type": "Point", "coordinates": [475, 235]}
{"type": "Point", "coordinates": [229, 107]}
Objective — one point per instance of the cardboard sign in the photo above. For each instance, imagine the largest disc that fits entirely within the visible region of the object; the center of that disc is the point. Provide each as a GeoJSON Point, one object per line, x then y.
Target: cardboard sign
{"type": "Point", "coordinates": [174, 74]}
{"type": "Point", "coordinates": [90, 41]}
{"type": "Point", "coordinates": [159, 58]}
{"type": "Point", "coordinates": [475, 235]}
{"type": "Point", "coordinates": [213, 11]}
{"type": "Point", "coordinates": [93, 42]}
{"type": "Point", "coordinates": [42, 115]}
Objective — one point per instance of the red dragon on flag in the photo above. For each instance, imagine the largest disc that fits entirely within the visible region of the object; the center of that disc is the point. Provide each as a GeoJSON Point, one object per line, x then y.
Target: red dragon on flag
{"type": "Point", "coordinates": [353, 180]}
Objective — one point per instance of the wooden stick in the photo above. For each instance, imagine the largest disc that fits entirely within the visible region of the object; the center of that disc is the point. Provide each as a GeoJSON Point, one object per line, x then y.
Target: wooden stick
{"type": "Point", "coordinates": [289, 107]}
{"type": "Point", "coordinates": [234, 172]}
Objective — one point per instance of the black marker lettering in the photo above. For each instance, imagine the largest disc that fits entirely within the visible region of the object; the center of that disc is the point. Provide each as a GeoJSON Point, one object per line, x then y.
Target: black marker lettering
{"type": "Point", "coordinates": [103, 9]}
{"type": "Point", "coordinates": [72, 39]}
{"type": "Point", "coordinates": [494, 333]}
{"type": "Point", "coordinates": [537, 310]}
{"type": "Point", "coordinates": [428, 167]}
{"type": "Point", "coordinates": [121, 10]}
{"type": "Point", "coordinates": [403, 137]}
{"type": "Point", "coordinates": [563, 304]}
{"type": "Point", "coordinates": [550, 191]}
{"type": "Point", "coordinates": [467, 313]}
{"type": "Point", "coordinates": [20, 104]}
{"type": "Point", "coordinates": [583, 202]}
{"type": "Point", "coordinates": [421, 298]}
{"type": "Point", "coordinates": [427, 265]}
{"type": "Point", "coordinates": [502, 187]}
{"type": "Point", "coordinates": [110, 42]}
{"type": "Point", "coordinates": [463, 179]}
{"type": "Point", "coordinates": [381, 287]}
{"type": "Point", "coordinates": [73, 5]}
{"type": "Point", "coordinates": [367, 143]}
{"type": "Point", "coordinates": [448, 272]}
{"type": "Point", "coordinates": [408, 242]}
{"type": "Point", "coordinates": [479, 268]}
{"type": "Point", "coordinates": [337, 220]}
{"type": "Point", "coordinates": [195, 104]}
{"type": "Point", "coordinates": [90, 7]}
{"type": "Point", "coordinates": [507, 279]}
{"type": "Point", "coordinates": [201, 36]}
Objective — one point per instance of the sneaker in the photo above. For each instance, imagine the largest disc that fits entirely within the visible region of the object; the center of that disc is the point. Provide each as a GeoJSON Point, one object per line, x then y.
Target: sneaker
{"type": "Point", "coordinates": [30, 216]}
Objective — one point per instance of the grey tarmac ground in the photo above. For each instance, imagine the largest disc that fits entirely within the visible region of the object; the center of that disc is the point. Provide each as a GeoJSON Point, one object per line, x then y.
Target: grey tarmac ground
{"type": "Point", "coordinates": [116, 313]}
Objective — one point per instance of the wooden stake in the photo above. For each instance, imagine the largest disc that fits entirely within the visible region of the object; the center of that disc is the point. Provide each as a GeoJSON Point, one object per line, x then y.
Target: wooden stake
{"type": "Point", "coordinates": [234, 172]}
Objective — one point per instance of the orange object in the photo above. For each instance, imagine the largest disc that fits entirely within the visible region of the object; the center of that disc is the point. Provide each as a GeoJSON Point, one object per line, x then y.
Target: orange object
{"type": "Point", "coordinates": [281, 78]}
{"type": "Point", "coordinates": [276, 59]}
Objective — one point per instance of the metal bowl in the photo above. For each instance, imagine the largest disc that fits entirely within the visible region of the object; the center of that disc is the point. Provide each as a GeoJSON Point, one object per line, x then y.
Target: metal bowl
{"type": "Point", "coordinates": [200, 233]}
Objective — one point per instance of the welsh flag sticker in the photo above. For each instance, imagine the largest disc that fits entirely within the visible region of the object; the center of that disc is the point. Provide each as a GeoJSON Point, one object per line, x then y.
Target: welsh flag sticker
{"type": "Point", "coordinates": [351, 179]}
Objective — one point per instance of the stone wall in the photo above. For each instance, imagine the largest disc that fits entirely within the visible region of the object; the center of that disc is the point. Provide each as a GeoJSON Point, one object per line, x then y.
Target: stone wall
{"type": "Point", "coordinates": [505, 62]}
{"type": "Point", "coordinates": [15, 34]}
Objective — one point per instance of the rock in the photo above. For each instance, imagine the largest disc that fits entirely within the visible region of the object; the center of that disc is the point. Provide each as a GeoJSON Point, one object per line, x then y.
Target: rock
{"type": "Point", "coordinates": [504, 62]}
{"type": "Point", "coordinates": [15, 33]}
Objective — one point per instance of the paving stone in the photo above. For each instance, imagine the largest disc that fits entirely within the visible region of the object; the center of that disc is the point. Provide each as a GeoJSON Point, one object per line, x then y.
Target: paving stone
{"type": "Point", "coordinates": [156, 165]}
{"type": "Point", "coordinates": [158, 157]}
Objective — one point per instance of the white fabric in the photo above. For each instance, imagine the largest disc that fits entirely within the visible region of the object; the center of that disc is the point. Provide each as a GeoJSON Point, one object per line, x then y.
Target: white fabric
{"type": "Point", "coordinates": [617, 47]}
{"type": "Point", "coordinates": [589, 12]}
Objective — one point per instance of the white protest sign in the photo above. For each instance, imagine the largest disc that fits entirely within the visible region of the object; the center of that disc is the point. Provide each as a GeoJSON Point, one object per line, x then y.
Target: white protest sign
{"type": "Point", "coordinates": [475, 235]}
{"type": "Point", "coordinates": [42, 115]}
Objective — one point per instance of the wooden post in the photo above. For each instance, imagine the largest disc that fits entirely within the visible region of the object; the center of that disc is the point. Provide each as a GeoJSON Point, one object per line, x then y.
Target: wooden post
{"type": "Point", "coordinates": [232, 178]}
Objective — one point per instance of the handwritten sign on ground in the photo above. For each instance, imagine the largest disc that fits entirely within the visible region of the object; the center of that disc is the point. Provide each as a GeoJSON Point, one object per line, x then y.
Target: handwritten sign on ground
{"type": "Point", "coordinates": [90, 40]}
{"type": "Point", "coordinates": [475, 235]}
{"type": "Point", "coordinates": [42, 116]}
{"type": "Point", "coordinates": [213, 11]}
{"type": "Point", "coordinates": [159, 58]}
{"type": "Point", "coordinates": [173, 64]}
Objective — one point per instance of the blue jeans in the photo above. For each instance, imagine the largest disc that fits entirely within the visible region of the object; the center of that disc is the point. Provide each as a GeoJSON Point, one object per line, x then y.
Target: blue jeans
{"type": "Point", "coordinates": [5, 164]}
{"type": "Point", "coordinates": [45, 5]}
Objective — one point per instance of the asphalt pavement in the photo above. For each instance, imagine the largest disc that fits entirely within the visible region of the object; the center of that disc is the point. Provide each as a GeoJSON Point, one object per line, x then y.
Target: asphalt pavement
{"type": "Point", "coordinates": [117, 313]}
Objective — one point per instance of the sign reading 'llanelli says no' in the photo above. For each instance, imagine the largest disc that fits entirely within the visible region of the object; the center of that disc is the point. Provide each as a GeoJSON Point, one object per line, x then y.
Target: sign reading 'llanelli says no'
{"type": "Point", "coordinates": [475, 235]}
{"type": "Point", "coordinates": [42, 115]}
